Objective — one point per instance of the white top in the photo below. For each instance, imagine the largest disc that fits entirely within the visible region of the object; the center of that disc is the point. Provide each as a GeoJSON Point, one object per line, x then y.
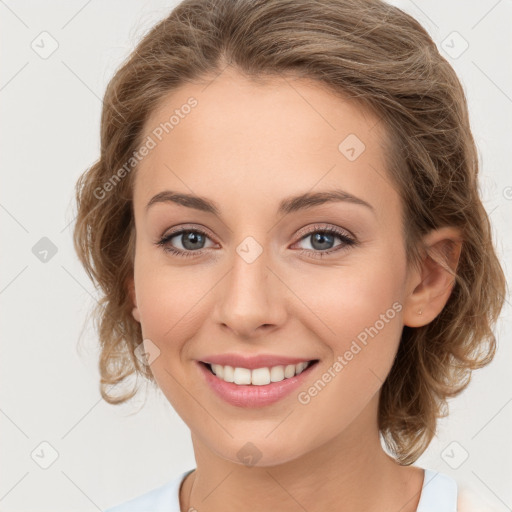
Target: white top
{"type": "Point", "coordinates": [438, 494]}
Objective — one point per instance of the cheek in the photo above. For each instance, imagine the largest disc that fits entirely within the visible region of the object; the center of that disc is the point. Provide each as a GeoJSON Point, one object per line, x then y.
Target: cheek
{"type": "Point", "coordinates": [170, 302]}
{"type": "Point", "coordinates": [358, 305]}
{"type": "Point", "coordinates": [359, 320]}
{"type": "Point", "coordinates": [168, 305]}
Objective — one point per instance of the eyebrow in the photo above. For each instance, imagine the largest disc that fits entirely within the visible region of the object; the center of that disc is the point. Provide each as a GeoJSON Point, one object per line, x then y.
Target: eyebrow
{"type": "Point", "coordinates": [288, 205]}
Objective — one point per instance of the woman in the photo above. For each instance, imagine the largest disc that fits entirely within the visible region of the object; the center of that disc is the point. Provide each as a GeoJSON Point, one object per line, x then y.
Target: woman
{"type": "Point", "coordinates": [286, 225]}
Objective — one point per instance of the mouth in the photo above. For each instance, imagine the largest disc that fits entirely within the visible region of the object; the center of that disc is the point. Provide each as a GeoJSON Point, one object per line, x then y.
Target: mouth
{"type": "Point", "coordinates": [254, 388]}
{"type": "Point", "coordinates": [257, 377]}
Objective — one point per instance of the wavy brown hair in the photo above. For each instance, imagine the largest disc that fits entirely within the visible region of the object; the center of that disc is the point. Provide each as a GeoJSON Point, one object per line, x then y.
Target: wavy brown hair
{"type": "Point", "coordinates": [384, 60]}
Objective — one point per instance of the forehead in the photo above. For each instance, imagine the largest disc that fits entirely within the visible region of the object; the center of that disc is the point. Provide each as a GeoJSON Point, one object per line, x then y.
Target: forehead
{"type": "Point", "coordinates": [238, 138]}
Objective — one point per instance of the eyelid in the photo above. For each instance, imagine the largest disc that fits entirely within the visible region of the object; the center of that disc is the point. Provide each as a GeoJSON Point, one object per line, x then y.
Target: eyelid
{"type": "Point", "coordinates": [187, 227]}
{"type": "Point", "coordinates": [324, 227]}
{"type": "Point", "coordinates": [300, 234]}
{"type": "Point", "coordinates": [342, 233]}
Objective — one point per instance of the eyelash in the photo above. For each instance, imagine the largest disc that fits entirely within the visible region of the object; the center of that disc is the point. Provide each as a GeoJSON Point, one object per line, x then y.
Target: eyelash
{"type": "Point", "coordinates": [347, 242]}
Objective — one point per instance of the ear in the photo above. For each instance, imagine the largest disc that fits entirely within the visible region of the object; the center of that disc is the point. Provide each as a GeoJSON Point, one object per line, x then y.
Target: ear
{"type": "Point", "coordinates": [429, 287]}
{"type": "Point", "coordinates": [130, 285]}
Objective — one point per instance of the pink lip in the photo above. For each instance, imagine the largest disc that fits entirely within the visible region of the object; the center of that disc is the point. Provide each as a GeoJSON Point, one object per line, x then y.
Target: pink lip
{"type": "Point", "coordinates": [253, 362]}
{"type": "Point", "coordinates": [251, 395]}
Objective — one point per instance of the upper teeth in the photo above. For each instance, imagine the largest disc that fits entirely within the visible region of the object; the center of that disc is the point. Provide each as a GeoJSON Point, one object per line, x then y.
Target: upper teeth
{"type": "Point", "coordinates": [258, 376]}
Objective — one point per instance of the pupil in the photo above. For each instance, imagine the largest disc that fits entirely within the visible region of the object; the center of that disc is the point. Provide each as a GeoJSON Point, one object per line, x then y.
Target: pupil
{"type": "Point", "coordinates": [319, 240]}
{"type": "Point", "coordinates": [321, 237]}
{"type": "Point", "coordinates": [192, 238]}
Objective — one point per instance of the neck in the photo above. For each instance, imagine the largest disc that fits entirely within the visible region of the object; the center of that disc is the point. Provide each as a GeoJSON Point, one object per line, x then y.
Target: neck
{"type": "Point", "coordinates": [350, 472]}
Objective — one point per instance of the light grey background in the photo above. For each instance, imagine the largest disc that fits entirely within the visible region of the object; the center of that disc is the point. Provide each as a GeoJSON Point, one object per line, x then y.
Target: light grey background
{"type": "Point", "coordinates": [50, 113]}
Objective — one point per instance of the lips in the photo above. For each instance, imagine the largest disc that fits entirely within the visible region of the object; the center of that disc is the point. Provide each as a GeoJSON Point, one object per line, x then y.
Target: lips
{"type": "Point", "coordinates": [250, 396]}
{"type": "Point", "coordinates": [253, 362]}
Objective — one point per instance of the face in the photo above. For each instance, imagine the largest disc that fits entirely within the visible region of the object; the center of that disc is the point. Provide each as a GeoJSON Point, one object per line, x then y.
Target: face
{"type": "Point", "coordinates": [262, 273]}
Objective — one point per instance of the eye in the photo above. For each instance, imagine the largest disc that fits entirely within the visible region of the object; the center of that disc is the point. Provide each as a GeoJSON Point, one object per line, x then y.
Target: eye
{"type": "Point", "coordinates": [322, 238]}
{"type": "Point", "coordinates": [191, 240]}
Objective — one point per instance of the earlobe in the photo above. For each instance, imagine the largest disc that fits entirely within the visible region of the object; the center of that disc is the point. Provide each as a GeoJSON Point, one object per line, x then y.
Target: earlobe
{"type": "Point", "coordinates": [131, 291]}
{"type": "Point", "coordinates": [433, 282]}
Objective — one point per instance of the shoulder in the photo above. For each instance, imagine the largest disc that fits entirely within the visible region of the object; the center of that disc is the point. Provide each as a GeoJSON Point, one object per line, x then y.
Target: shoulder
{"type": "Point", "coordinates": [439, 493]}
{"type": "Point", "coordinates": [164, 498]}
{"type": "Point", "coordinates": [442, 493]}
{"type": "Point", "coordinates": [471, 501]}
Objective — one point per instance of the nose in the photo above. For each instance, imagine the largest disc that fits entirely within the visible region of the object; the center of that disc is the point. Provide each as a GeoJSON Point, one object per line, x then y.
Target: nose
{"type": "Point", "coordinates": [251, 298]}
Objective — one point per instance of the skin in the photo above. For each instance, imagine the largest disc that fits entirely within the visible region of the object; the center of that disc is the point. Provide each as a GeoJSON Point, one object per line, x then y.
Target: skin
{"type": "Point", "coordinates": [247, 146]}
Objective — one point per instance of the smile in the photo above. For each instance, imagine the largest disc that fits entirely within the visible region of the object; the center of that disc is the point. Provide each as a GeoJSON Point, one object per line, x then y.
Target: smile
{"type": "Point", "coordinates": [258, 376]}
{"type": "Point", "coordinates": [255, 388]}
